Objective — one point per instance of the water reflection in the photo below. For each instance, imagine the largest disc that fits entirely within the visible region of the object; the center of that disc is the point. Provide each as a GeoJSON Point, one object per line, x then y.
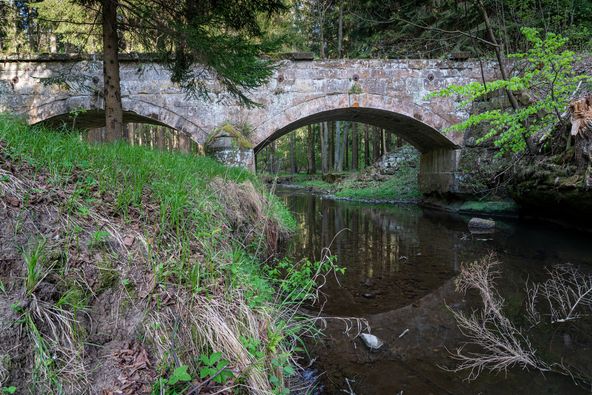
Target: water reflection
{"type": "Point", "coordinates": [401, 263]}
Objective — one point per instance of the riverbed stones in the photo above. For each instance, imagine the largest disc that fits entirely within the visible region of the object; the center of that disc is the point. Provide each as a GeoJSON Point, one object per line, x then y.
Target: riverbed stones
{"type": "Point", "coordinates": [371, 341]}
{"type": "Point", "coordinates": [481, 224]}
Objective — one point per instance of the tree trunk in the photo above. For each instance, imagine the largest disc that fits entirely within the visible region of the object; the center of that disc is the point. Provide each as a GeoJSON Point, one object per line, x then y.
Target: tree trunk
{"type": "Point", "coordinates": [340, 32]}
{"type": "Point", "coordinates": [389, 141]}
{"type": "Point", "coordinates": [112, 87]}
{"type": "Point", "coordinates": [53, 43]}
{"type": "Point", "coordinates": [366, 145]}
{"type": "Point", "coordinates": [271, 157]}
{"type": "Point", "coordinates": [321, 31]}
{"type": "Point", "coordinates": [338, 158]}
{"type": "Point", "coordinates": [354, 158]}
{"type": "Point", "coordinates": [376, 139]}
{"type": "Point", "coordinates": [293, 169]}
{"type": "Point", "coordinates": [344, 147]}
{"type": "Point", "coordinates": [383, 149]}
{"type": "Point", "coordinates": [324, 147]}
{"type": "Point", "coordinates": [331, 145]}
{"type": "Point", "coordinates": [310, 149]}
{"type": "Point", "coordinates": [499, 53]}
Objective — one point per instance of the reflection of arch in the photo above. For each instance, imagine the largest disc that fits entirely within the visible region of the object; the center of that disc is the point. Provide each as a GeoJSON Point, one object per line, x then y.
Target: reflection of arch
{"type": "Point", "coordinates": [84, 114]}
{"type": "Point", "coordinates": [416, 124]}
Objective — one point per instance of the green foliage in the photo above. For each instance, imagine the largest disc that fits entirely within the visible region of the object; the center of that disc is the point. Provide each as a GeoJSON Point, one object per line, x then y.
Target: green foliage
{"type": "Point", "coordinates": [9, 390]}
{"type": "Point", "coordinates": [214, 368]}
{"type": "Point", "coordinates": [176, 384]}
{"type": "Point", "coordinates": [239, 135]}
{"type": "Point", "coordinates": [547, 79]}
{"type": "Point", "coordinates": [98, 238]}
{"type": "Point", "coordinates": [34, 260]}
{"type": "Point", "coordinates": [281, 365]}
{"type": "Point", "coordinates": [253, 347]}
{"type": "Point", "coordinates": [179, 375]}
{"type": "Point", "coordinates": [297, 280]}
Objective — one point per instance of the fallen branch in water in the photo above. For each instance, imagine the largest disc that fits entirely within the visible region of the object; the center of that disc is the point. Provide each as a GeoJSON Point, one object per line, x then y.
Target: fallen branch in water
{"type": "Point", "coordinates": [501, 344]}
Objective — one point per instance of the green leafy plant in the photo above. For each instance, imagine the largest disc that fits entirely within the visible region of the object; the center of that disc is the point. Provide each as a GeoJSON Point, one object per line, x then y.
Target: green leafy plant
{"type": "Point", "coordinates": [98, 237]}
{"type": "Point", "coordinates": [545, 83]}
{"type": "Point", "coordinates": [9, 390]}
{"type": "Point", "coordinates": [253, 347]}
{"type": "Point", "coordinates": [177, 383]}
{"type": "Point", "coordinates": [355, 89]}
{"type": "Point", "coordinates": [214, 368]}
{"type": "Point", "coordinates": [281, 365]}
{"type": "Point", "coordinates": [298, 280]}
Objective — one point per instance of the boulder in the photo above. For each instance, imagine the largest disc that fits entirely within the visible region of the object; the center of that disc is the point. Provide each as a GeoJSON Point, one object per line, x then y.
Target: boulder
{"type": "Point", "coordinates": [371, 341]}
{"type": "Point", "coordinates": [481, 224]}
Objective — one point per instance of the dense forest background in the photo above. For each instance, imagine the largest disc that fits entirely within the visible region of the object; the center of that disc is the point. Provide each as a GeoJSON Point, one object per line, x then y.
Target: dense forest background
{"type": "Point", "coordinates": [329, 28]}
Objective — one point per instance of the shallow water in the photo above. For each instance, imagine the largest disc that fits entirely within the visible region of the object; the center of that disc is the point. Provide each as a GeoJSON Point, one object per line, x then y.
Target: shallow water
{"type": "Point", "coordinates": [401, 262]}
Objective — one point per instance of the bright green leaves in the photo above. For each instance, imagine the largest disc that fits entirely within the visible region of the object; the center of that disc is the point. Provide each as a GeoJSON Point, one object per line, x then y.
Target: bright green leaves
{"type": "Point", "coordinates": [214, 368]}
{"type": "Point", "coordinates": [544, 84]}
{"type": "Point", "coordinates": [179, 375]}
{"type": "Point", "coordinates": [176, 384]}
{"type": "Point", "coordinates": [297, 280]}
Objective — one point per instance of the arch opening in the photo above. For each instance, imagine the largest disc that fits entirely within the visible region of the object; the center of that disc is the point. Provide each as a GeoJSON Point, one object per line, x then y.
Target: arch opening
{"type": "Point", "coordinates": [138, 130]}
{"type": "Point", "coordinates": [93, 119]}
{"type": "Point", "coordinates": [417, 133]}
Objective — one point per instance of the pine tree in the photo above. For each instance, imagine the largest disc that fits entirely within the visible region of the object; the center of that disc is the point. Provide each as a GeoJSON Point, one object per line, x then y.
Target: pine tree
{"type": "Point", "coordinates": [225, 38]}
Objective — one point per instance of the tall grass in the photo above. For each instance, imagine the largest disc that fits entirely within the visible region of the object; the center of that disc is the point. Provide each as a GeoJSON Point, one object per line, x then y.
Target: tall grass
{"type": "Point", "coordinates": [175, 181]}
{"type": "Point", "coordinates": [210, 287]}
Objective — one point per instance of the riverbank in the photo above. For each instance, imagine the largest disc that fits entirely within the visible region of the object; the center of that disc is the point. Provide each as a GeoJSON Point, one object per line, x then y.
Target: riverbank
{"type": "Point", "coordinates": [392, 179]}
{"type": "Point", "coordinates": [128, 270]}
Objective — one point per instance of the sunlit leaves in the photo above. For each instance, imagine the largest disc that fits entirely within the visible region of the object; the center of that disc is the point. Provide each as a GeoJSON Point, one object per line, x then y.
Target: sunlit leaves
{"type": "Point", "coordinates": [545, 83]}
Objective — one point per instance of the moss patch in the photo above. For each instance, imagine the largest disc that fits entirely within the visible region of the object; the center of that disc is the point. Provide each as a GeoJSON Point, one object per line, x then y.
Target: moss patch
{"type": "Point", "coordinates": [228, 129]}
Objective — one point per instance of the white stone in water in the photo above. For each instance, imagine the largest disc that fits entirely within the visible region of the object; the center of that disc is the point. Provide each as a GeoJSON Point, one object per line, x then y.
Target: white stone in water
{"type": "Point", "coordinates": [481, 224]}
{"type": "Point", "coordinates": [371, 341]}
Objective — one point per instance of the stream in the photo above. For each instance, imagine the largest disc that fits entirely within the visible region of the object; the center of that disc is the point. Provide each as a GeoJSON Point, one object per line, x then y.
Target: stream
{"type": "Point", "coordinates": [401, 263]}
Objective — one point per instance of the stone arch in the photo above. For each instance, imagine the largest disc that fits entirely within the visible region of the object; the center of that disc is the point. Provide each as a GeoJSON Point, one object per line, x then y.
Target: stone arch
{"type": "Point", "coordinates": [417, 124]}
{"type": "Point", "coordinates": [86, 113]}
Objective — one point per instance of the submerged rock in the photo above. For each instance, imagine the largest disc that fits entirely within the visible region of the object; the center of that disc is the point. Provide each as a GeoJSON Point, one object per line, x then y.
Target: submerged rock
{"type": "Point", "coordinates": [481, 224]}
{"type": "Point", "coordinates": [371, 341]}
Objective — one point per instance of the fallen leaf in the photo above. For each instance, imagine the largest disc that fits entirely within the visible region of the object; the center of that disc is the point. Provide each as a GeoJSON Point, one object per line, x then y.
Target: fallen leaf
{"type": "Point", "coordinates": [13, 201]}
{"type": "Point", "coordinates": [128, 241]}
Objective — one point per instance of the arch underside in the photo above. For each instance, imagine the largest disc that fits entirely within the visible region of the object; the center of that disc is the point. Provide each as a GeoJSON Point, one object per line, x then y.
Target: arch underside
{"type": "Point", "coordinates": [91, 119]}
{"type": "Point", "coordinates": [422, 136]}
{"type": "Point", "coordinates": [84, 113]}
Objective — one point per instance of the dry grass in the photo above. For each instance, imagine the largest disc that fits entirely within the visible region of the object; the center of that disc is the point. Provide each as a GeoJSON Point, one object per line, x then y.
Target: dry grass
{"type": "Point", "coordinates": [58, 352]}
{"type": "Point", "coordinates": [196, 324]}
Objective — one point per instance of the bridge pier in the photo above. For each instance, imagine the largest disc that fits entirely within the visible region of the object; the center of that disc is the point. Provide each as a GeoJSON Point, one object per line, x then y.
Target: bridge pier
{"type": "Point", "coordinates": [438, 172]}
{"type": "Point", "coordinates": [227, 147]}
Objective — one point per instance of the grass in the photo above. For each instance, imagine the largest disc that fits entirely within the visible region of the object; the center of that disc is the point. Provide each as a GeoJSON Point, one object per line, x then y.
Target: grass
{"type": "Point", "coordinates": [401, 187]}
{"type": "Point", "coordinates": [199, 233]}
{"type": "Point", "coordinates": [34, 264]}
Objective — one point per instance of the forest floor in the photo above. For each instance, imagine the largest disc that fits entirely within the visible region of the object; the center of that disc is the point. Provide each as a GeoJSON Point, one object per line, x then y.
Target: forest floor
{"type": "Point", "coordinates": [127, 270]}
{"type": "Point", "coordinates": [393, 178]}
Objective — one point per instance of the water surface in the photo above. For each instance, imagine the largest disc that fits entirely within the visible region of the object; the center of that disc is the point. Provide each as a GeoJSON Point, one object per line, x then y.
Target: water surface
{"type": "Point", "coordinates": [401, 262]}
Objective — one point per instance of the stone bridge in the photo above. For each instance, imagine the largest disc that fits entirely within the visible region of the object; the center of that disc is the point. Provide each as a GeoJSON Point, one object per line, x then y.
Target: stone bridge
{"type": "Point", "coordinates": [390, 94]}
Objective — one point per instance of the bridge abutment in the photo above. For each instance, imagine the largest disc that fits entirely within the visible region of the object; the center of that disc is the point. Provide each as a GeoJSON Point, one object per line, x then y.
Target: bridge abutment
{"type": "Point", "coordinates": [438, 172]}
